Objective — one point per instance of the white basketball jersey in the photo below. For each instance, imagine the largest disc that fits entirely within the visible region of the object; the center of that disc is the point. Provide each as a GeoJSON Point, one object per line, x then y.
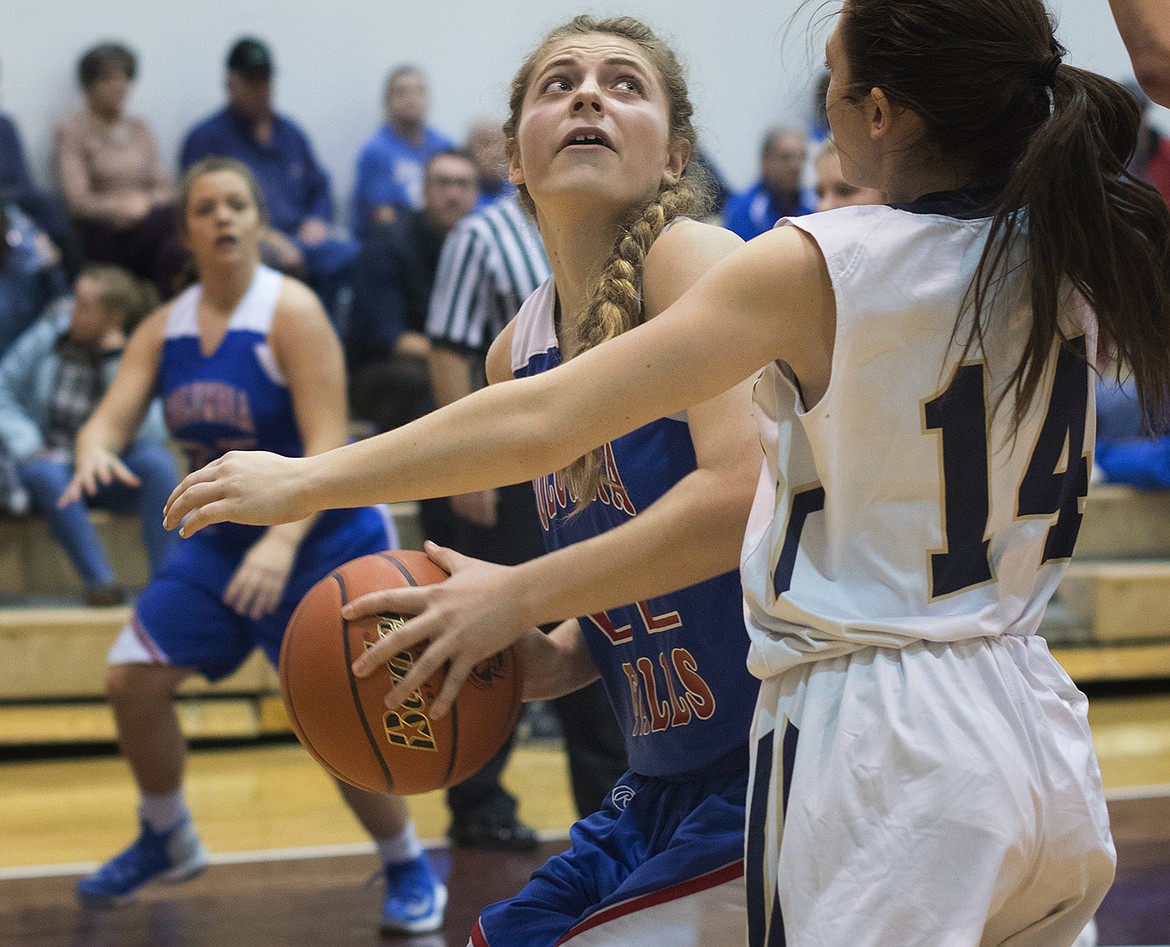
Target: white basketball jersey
{"type": "Point", "coordinates": [900, 507]}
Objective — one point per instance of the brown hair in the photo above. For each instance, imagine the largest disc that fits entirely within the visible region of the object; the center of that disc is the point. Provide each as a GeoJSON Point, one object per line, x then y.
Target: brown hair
{"type": "Point", "coordinates": [100, 61]}
{"type": "Point", "coordinates": [122, 292]}
{"type": "Point", "coordinates": [615, 303]}
{"type": "Point", "coordinates": [987, 81]}
{"type": "Point", "coordinates": [214, 166]}
{"type": "Point", "coordinates": [190, 274]}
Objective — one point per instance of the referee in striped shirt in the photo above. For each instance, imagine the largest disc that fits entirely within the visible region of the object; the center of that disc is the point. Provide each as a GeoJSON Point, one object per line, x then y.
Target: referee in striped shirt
{"type": "Point", "coordinates": [490, 263]}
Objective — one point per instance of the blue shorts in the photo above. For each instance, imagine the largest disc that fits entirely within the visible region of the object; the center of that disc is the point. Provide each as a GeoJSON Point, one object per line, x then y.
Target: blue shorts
{"type": "Point", "coordinates": [181, 618]}
{"type": "Point", "coordinates": [654, 841]}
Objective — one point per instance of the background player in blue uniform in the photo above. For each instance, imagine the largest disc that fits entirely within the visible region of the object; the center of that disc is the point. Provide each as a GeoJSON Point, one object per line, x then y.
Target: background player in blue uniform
{"type": "Point", "coordinates": [601, 136]}
{"type": "Point", "coordinates": [244, 357]}
{"type": "Point", "coordinates": [926, 714]}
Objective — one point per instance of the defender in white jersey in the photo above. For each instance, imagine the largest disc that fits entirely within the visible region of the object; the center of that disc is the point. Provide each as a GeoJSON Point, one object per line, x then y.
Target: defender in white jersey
{"type": "Point", "coordinates": [922, 772]}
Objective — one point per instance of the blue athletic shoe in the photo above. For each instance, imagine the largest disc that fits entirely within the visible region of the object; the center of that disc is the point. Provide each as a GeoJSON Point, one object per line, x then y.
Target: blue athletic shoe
{"type": "Point", "coordinates": [415, 898]}
{"type": "Point", "coordinates": [169, 857]}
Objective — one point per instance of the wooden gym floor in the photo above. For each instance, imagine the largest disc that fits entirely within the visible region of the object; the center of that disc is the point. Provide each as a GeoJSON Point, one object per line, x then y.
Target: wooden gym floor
{"type": "Point", "coordinates": [290, 866]}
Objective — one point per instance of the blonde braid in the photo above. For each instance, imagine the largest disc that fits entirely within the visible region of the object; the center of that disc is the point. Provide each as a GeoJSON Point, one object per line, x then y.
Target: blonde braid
{"type": "Point", "coordinates": [615, 305]}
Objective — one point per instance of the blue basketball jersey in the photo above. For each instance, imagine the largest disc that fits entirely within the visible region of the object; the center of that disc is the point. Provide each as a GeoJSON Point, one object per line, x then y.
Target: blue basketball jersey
{"type": "Point", "coordinates": [674, 667]}
{"type": "Point", "coordinates": [234, 398]}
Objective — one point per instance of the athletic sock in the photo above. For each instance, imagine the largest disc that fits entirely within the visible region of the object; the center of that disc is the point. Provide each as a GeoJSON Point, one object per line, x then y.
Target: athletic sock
{"type": "Point", "coordinates": [402, 847]}
{"type": "Point", "coordinates": [162, 813]}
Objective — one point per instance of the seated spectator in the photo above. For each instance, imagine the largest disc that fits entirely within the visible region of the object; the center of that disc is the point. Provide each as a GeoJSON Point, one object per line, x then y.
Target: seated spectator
{"type": "Point", "coordinates": [832, 189]}
{"type": "Point", "coordinates": [1128, 451]}
{"type": "Point", "coordinates": [299, 239]}
{"type": "Point", "coordinates": [46, 210]}
{"type": "Point", "coordinates": [50, 381]}
{"type": "Point", "coordinates": [390, 167]}
{"type": "Point", "coordinates": [115, 187]}
{"type": "Point", "coordinates": [386, 346]}
{"type": "Point", "coordinates": [778, 192]}
{"type": "Point", "coordinates": [489, 150]}
{"type": "Point", "coordinates": [30, 274]}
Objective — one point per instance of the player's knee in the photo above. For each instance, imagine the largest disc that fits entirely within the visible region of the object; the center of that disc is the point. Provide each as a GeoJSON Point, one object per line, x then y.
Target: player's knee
{"type": "Point", "coordinates": [139, 685]}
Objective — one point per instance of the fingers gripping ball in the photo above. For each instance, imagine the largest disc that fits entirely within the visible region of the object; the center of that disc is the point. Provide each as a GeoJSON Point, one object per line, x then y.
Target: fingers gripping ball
{"type": "Point", "coordinates": [342, 719]}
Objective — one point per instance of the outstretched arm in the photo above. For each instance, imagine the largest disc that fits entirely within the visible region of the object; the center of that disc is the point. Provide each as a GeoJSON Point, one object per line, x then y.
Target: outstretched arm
{"type": "Point", "coordinates": [118, 415]}
{"type": "Point", "coordinates": [691, 533]}
{"type": "Point", "coordinates": [770, 299]}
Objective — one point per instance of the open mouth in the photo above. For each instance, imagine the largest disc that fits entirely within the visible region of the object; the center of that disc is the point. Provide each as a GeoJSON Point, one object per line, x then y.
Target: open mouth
{"type": "Point", "coordinates": [586, 138]}
{"type": "Point", "coordinates": [227, 240]}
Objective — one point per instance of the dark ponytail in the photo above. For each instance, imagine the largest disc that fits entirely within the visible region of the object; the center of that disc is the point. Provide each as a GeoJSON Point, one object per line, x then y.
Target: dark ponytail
{"type": "Point", "coordinates": [1090, 223]}
{"type": "Point", "coordinates": [987, 80]}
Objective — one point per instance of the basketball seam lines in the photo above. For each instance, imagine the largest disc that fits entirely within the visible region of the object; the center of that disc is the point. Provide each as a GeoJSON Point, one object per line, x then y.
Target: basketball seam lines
{"type": "Point", "coordinates": [357, 701]}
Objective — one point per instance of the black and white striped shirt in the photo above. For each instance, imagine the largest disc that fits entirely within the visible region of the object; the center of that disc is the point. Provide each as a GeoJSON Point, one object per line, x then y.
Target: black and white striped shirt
{"type": "Point", "coordinates": [491, 262]}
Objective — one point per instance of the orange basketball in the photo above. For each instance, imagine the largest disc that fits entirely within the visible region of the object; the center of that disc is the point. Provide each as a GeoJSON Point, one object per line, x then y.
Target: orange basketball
{"type": "Point", "coordinates": [342, 720]}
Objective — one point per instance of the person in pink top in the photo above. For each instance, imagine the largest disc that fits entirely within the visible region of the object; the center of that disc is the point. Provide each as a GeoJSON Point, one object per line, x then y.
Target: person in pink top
{"type": "Point", "coordinates": [115, 186]}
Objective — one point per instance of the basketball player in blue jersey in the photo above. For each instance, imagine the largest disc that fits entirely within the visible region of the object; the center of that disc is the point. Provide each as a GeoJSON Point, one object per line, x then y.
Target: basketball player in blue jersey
{"type": "Point", "coordinates": [245, 357]}
{"type": "Point", "coordinates": [601, 136]}
{"type": "Point", "coordinates": [923, 771]}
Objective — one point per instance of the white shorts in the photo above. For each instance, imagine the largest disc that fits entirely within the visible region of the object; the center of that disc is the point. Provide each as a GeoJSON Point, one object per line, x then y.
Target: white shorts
{"type": "Point", "coordinates": [935, 795]}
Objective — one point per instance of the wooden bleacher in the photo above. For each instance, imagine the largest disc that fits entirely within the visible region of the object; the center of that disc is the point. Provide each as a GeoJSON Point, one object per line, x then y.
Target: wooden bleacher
{"type": "Point", "coordinates": [53, 650]}
{"type": "Point", "coordinates": [1110, 621]}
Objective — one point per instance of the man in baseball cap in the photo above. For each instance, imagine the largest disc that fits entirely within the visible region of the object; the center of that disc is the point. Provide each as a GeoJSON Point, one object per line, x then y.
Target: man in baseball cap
{"type": "Point", "coordinates": [251, 59]}
{"type": "Point", "coordinates": [300, 239]}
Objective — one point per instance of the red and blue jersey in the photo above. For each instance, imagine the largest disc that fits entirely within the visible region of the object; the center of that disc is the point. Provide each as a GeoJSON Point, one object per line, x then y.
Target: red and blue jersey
{"type": "Point", "coordinates": [234, 398]}
{"type": "Point", "coordinates": [674, 666]}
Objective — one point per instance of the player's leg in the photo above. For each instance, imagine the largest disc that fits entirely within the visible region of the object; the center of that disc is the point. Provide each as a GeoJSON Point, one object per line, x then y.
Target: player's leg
{"type": "Point", "coordinates": [180, 626]}
{"type": "Point", "coordinates": [45, 478]}
{"type": "Point", "coordinates": [909, 797]}
{"type": "Point", "coordinates": [659, 862]}
{"type": "Point", "coordinates": [1054, 901]}
{"type": "Point", "coordinates": [415, 897]}
{"type": "Point", "coordinates": [167, 848]}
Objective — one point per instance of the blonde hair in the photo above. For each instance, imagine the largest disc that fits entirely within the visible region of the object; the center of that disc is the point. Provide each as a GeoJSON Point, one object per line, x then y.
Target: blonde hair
{"type": "Point", "coordinates": [122, 292]}
{"type": "Point", "coordinates": [615, 302]}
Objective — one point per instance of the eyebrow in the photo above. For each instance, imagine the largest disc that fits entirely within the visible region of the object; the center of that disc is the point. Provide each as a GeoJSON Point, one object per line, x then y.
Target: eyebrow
{"type": "Point", "coordinates": [621, 61]}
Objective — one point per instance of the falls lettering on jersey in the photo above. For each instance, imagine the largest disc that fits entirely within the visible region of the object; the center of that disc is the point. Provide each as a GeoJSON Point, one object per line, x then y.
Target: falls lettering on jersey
{"type": "Point", "coordinates": [669, 695]}
{"type": "Point", "coordinates": [553, 494]}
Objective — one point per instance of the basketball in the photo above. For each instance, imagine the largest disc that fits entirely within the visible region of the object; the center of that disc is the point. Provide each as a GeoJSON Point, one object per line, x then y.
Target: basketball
{"type": "Point", "coordinates": [342, 720]}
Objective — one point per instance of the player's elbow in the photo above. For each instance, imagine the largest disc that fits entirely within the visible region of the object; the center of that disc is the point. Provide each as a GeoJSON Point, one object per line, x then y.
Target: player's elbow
{"type": "Point", "coordinates": [1154, 78]}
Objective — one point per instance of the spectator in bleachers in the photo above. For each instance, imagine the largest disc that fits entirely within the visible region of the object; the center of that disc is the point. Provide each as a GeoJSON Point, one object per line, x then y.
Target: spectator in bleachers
{"type": "Point", "coordinates": [113, 180]}
{"type": "Point", "coordinates": [386, 346]}
{"type": "Point", "coordinates": [299, 239]}
{"type": "Point", "coordinates": [50, 381]}
{"type": "Point", "coordinates": [1128, 451]}
{"type": "Point", "coordinates": [778, 193]}
{"type": "Point", "coordinates": [390, 168]}
{"type": "Point", "coordinates": [46, 210]}
{"type": "Point", "coordinates": [488, 147]}
{"type": "Point", "coordinates": [832, 189]}
{"type": "Point", "coordinates": [30, 273]}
